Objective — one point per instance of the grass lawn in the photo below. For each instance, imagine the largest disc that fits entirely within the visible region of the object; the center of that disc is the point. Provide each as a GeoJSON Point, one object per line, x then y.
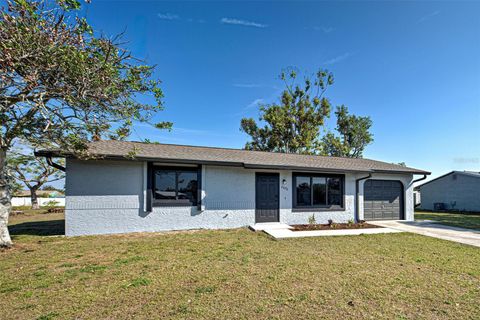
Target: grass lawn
{"type": "Point", "coordinates": [471, 221]}
{"type": "Point", "coordinates": [234, 274]}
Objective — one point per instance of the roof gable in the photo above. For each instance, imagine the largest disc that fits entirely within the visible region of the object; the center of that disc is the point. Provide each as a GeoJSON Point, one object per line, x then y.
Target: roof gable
{"type": "Point", "coordinates": [463, 173]}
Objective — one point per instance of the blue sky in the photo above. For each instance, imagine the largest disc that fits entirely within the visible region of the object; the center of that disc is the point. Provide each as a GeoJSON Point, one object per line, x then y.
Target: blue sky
{"type": "Point", "coordinates": [413, 67]}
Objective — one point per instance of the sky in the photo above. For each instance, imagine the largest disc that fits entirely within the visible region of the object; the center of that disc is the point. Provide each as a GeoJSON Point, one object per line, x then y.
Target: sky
{"type": "Point", "coordinates": [413, 67]}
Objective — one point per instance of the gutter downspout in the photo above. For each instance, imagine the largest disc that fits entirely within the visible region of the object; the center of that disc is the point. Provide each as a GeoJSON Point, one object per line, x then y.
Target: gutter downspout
{"type": "Point", "coordinates": [53, 164]}
{"type": "Point", "coordinates": [357, 196]}
{"type": "Point", "coordinates": [419, 179]}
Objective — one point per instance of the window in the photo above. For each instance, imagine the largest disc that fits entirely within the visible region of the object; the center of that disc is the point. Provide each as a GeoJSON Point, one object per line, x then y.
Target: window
{"type": "Point", "coordinates": [175, 186]}
{"type": "Point", "coordinates": [317, 191]}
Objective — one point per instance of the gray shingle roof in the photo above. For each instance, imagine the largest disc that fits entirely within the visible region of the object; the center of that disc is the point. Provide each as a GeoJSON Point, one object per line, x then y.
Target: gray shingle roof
{"type": "Point", "coordinates": [235, 157]}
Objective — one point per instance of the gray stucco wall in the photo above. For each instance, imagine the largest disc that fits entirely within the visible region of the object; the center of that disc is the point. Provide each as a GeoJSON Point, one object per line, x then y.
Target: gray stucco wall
{"type": "Point", "coordinates": [463, 190]}
{"type": "Point", "coordinates": [108, 197]}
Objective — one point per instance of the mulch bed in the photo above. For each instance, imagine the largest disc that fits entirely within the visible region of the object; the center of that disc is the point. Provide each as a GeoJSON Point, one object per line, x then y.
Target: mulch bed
{"type": "Point", "coordinates": [333, 226]}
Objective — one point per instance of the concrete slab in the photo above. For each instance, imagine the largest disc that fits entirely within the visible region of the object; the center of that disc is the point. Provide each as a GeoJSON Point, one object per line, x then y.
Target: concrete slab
{"type": "Point", "coordinates": [435, 230]}
{"type": "Point", "coordinates": [269, 225]}
{"type": "Point", "coordinates": [286, 233]}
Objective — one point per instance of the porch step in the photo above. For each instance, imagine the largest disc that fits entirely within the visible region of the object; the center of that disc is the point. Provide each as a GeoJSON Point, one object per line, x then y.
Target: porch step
{"type": "Point", "coordinates": [269, 225]}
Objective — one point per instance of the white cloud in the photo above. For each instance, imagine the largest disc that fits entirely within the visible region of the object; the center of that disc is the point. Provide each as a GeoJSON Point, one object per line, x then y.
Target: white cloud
{"type": "Point", "coordinates": [168, 16]}
{"type": "Point", "coordinates": [196, 20]}
{"type": "Point", "coordinates": [255, 103]}
{"type": "Point", "coordinates": [240, 22]}
{"type": "Point", "coordinates": [190, 131]}
{"type": "Point", "coordinates": [324, 29]}
{"type": "Point", "coordinates": [247, 85]}
{"type": "Point", "coordinates": [338, 58]}
{"type": "Point", "coordinates": [428, 16]}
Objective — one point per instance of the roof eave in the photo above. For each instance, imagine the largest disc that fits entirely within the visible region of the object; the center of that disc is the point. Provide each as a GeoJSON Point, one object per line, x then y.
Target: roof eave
{"type": "Point", "coordinates": [58, 153]}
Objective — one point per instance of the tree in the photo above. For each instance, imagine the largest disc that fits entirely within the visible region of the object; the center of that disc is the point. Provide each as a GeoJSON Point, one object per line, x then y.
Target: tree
{"type": "Point", "coordinates": [294, 125]}
{"type": "Point", "coordinates": [15, 187]}
{"type": "Point", "coordinates": [62, 85]}
{"type": "Point", "coordinates": [33, 172]}
{"type": "Point", "coordinates": [354, 135]}
{"type": "Point", "coordinates": [49, 188]}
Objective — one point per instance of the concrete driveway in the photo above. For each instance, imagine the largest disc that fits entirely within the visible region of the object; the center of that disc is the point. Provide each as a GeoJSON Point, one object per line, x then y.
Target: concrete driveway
{"type": "Point", "coordinates": [434, 229]}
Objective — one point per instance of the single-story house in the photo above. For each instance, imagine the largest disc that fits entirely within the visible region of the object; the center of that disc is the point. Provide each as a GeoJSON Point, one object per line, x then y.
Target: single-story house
{"type": "Point", "coordinates": [456, 190]}
{"type": "Point", "coordinates": [133, 186]}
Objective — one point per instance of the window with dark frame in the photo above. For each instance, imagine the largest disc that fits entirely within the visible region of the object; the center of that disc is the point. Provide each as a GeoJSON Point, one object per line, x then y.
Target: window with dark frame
{"type": "Point", "coordinates": [175, 186]}
{"type": "Point", "coordinates": [318, 191]}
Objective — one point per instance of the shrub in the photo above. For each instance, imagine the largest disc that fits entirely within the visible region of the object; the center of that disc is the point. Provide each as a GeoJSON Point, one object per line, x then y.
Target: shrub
{"type": "Point", "coordinates": [51, 204]}
{"type": "Point", "coordinates": [311, 219]}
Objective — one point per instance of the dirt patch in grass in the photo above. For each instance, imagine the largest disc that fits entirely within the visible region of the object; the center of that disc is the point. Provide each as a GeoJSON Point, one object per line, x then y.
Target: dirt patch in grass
{"type": "Point", "coordinates": [333, 226]}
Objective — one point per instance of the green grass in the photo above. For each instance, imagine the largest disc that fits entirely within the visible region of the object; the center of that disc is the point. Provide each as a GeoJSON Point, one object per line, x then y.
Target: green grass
{"type": "Point", "coordinates": [463, 220]}
{"type": "Point", "coordinates": [36, 223]}
{"type": "Point", "coordinates": [236, 274]}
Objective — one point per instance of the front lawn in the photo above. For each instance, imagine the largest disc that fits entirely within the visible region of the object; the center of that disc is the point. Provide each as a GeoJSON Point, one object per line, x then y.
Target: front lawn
{"type": "Point", "coordinates": [471, 221]}
{"type": "Point", "coordinates": [236, 274]}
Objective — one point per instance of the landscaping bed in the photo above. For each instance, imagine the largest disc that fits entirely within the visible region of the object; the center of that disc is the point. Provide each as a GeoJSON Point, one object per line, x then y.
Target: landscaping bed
{"type": "Point", "coordinates": [332, 226]}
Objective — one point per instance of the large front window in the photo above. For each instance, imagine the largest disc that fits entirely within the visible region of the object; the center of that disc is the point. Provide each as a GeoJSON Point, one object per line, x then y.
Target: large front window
{"type": "Point", "coordinates": [317, 191]}
{"type": "Point", "coordinates": [175, 186]}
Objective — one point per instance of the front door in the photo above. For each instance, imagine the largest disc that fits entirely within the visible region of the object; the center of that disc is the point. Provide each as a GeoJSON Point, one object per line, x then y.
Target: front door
{"type": "Point", "coordinates": [267, 197]}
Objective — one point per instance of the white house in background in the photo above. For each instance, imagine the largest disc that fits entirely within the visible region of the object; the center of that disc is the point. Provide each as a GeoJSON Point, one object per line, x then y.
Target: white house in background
{"type": "Point", "coordinates": [456, 190]}
{"type": "Point", "coordinates": [175, 187]}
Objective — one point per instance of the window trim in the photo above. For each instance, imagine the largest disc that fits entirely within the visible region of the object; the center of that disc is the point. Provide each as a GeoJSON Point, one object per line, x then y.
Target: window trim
{"type": "Point", "coordinates": [297, 208]}
{"type": "Point", "coordinates": [175, 202]}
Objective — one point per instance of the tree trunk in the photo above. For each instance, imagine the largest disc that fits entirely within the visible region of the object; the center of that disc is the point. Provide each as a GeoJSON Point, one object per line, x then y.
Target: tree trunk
{"type": "Point", "coordinates": [5, 201]}
{"type": "Point", "coordinates": [34, 198]}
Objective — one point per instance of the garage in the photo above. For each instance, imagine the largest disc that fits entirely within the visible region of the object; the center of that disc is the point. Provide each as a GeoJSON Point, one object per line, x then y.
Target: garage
{"type": "Point", "coordinates": [383, 200]}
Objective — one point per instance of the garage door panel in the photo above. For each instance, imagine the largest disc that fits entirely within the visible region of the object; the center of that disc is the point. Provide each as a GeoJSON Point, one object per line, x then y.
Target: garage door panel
{"type": "Point", "coordinates": [382, 199]}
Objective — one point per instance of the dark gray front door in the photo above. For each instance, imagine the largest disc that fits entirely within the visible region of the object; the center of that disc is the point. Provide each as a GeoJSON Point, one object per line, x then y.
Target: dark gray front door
{"type": "Point", "coordinates": [383, 200]}
{"type": "Point", "coordinates": [267, 197]}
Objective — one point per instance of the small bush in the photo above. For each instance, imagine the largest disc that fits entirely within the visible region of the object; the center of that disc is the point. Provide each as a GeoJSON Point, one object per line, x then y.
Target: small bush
{"type": "Point", "coordinates": [330, 221]}
{"type": "Point", "coordinates": [311, 219]}
{"type": "Point", "coordinates": [51, 204]}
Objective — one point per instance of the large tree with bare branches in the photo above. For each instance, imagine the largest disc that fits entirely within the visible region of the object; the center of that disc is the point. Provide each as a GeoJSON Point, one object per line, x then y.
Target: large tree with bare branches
{"type": "Point", "coordinates": [61, 84]}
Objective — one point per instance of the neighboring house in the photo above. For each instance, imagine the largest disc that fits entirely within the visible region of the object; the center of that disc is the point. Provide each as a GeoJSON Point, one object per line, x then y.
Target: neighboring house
{"type": "Point", "coordinates": [175, 187]}
{"type": "Point", "coordinates": [456, 190]}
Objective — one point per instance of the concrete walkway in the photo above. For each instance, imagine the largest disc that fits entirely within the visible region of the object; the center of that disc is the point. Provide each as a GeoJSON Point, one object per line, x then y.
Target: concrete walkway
{"type": "Point", "coordinates": [269, 225]}
{"type": "Point", "coordinates": [434, 229]}
{"type": "Point", "coordinates": [286, 233]}
{"type": "Point", "coordinates": [282, 231]}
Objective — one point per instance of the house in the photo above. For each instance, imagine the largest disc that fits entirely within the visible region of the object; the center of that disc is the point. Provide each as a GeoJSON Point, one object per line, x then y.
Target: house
{"type": "Point", "coordinates": [134, 187]}
{"type": "Point", "coordinates": [456, 190]}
